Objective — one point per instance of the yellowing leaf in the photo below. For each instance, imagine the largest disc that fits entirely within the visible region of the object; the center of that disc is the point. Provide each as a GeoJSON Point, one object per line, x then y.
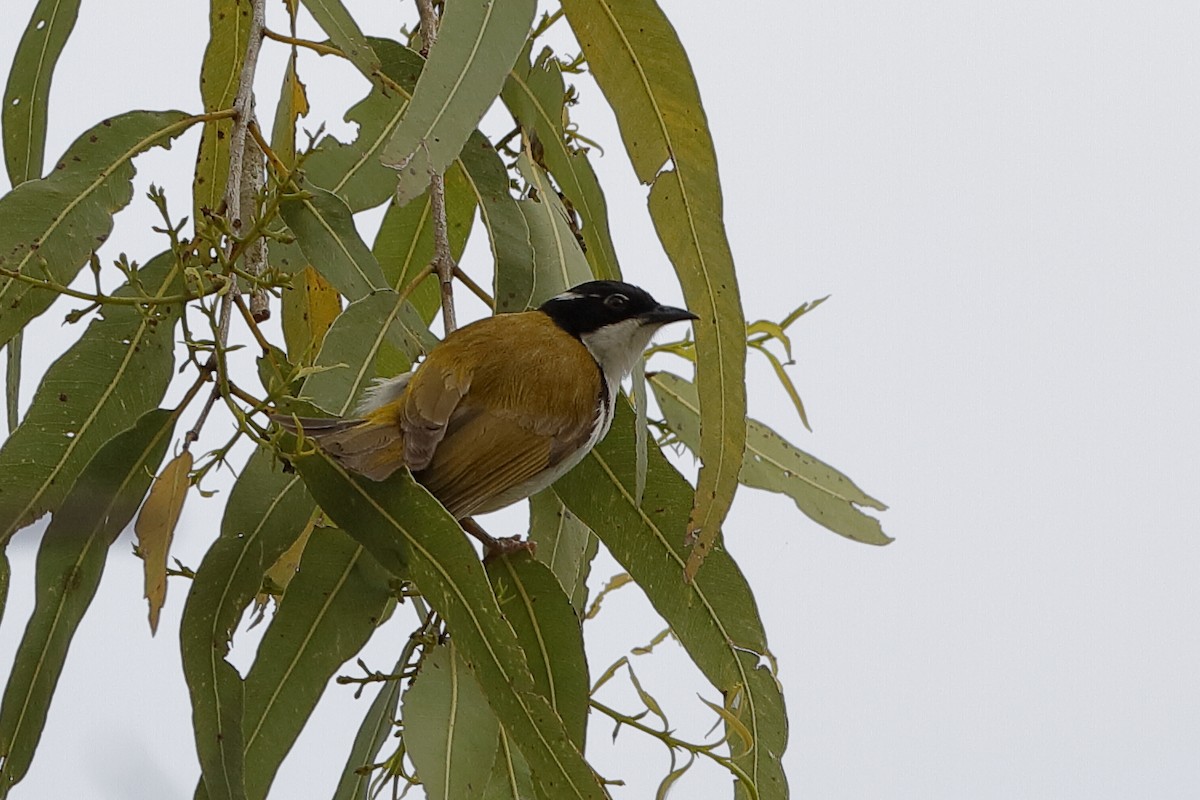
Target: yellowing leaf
{"type": "Point", "coordinates": [155, 528]}
{"type": "Point", "coordinates": [309, 309]}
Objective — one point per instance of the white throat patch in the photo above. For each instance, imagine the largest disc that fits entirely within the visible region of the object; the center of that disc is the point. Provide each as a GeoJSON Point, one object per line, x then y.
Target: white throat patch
{"type": "Point", "coordinates": [617, 347]}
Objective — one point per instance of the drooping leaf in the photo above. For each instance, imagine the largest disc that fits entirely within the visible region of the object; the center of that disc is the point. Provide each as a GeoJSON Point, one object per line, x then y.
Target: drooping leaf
{"type": "Point", "coordinates": [714, 616]}
{"type": "Point", "coordinates": [410, 534]}
{"type": "Point", "coordinates": [280, 574]}
{"type": "Point", "coordinates": [549, 631]}
{"type": "Point", "coordinates": [310, 305]}
{"type": "Point", "coordinates": [535, 95]}
{"type": "Point", "coordinates": [558, 260]}
{"type": "Point", "coordinates": [266, 511]}
{"type": "Point", "coordinates": [508, 232]}
{"type": "Point", "coordinates": [563, 543]}
{"type": "Point", "coordinates": [404, 244]}
{"type": "Point", "coordinates": [293, 104]}
{"type": "Point", "coordinates": [476, 46]}
{"type": "Point", "coordinates": [117, 371]}
{"type": "Point", "coordinates": [26, 96]}
{"type": "Point", "coordinates": [353, 343]}
{"type": "Point", "coordinates": [344, 32]}
{"type": "Point", "coordinates": [69, 565]}
{"type": "Point", "coordinates": [372, 733]}
{"type": "Point", "coordinates": [352, 170]}
{"type": "Point", "coordinates": [450, 731]}
{"type": "Point", "coordinates": [325, 230]}
{"type": "Point", "coordinates": [825, 495]}
{"type": "Point", "coordinates": [229, 30]}
{"type": "Point", "coordinates": [49, 227]}
{"type": "Point", "coordinates": [640, 65]}
{"type": "Point", "coordinates": [156, 528]}
{"type": "Point", "coordinates": [330, 610]}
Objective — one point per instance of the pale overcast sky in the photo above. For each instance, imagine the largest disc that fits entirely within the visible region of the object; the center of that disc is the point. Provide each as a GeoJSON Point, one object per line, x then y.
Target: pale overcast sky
{"type": "Point", "coordinates": [1002, 200]}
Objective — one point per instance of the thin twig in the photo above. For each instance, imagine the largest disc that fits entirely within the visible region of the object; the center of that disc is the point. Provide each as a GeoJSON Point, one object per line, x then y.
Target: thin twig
{"type": "Point", "coordinates": [475, 288]}
{"type": "Point", "coordinates": [317, 47]}
{"type": "Point", "coordinates": [243, 106]}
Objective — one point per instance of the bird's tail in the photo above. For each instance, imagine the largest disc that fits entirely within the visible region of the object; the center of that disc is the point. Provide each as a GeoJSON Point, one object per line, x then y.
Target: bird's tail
{"type": "Point", "coordinates": [373, 447]}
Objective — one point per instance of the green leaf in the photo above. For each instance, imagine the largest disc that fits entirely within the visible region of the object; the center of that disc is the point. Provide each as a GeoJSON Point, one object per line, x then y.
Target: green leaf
{"type": "Point", "coordinates": [564, 544]}
{"type": "Point", "coordinates": [325, 230]}
{"type": "Point", "coordinates": [410, 534]}
{"type": "Point", "coordinates": [404, 244]}
{"type": "Point", "coordinates": [354, 342]}
{"type": "Point", "coordinates": [825, 495]}
{"type": "Point", "coordinates": [352, 170]}
{"type": "Point", "coordinates": [344, 32]}
{"type": "Point", "coordinates": [229, 31]}
{"type": "Point", "coordinates": [69, 565]}
{"type": "Point", "coordinates": [476, 46]}
{"type": "Point", "coordinates": [5, 579]}
{"type": "Point", "coordinates": [372, 733]}
{"type": "Point", "coordinates": [536, 97]}
{"type": "Point", "coordinates": [558, 262]}
{"type": "Point", "coordinates": [510, 778]}
{"type": "Point", "coordinates": [117, 371]}
{"type": "Point", "coordinates": [12, 383]}
{"type": "Point", "coordinates": [27, 94]}
{"type": "Point", "coordinates": [640, 65]}
{"type": "Point", "coordinates": [549, 632]}
{"type": "Point", "coordinates": [49, 227]}
{"type": "Point", "coordinates": [450, 732]}
{"type": "Point", "coordinates": [267, 509]}
{"type": "Point", "coordinates": [714, 616]}
{"type": "Point", "coordinates": [508, 232]}
{"type": "Point", "coordinates": [330, 609]}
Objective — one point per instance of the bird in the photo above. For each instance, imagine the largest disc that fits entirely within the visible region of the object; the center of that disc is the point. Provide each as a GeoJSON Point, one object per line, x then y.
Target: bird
{"type": "Point", "coordinates": [503, 407]}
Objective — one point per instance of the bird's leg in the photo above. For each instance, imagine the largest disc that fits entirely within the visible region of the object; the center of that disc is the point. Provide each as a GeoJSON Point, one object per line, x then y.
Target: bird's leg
{"type": "Point", "coordinates": [493, 546]}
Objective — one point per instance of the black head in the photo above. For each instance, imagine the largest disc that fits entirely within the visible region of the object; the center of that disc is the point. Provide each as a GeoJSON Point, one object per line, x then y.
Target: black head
{"type": "Point", "coordinates": [590, 306]}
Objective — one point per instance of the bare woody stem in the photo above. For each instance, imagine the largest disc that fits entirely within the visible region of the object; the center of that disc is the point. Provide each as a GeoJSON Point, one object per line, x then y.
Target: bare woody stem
{"type": "Point", "coordinates": [443, 261]}
{"type": "Point", "coordinates": [243, 108]}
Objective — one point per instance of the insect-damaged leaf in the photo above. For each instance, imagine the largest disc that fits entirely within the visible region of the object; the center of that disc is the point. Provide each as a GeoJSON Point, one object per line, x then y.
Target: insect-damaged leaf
{"type": "Point", "coordinates": [49, 227]}
{"type": "Point", "coordinates": [640, 65]}
{"type": "Point", "coordinates": [564, 544]}
{"type": "Point", "coordinates": [477, 43]}
{"type": "Point", "coordinates": [229, 30]}
{"type": "Point", "coordinates": [825, 495]}
{"type": "Point", "coordinates": [70, 563]}
{"type": "Point", "coordinates": [117, 371]}
{"type": "Point", "coordinates": [156, 528]}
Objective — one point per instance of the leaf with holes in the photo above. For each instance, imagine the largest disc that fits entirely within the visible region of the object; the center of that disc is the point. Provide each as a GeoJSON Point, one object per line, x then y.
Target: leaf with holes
{"type": "Point", "coordinates": [49, 227]}
{"type": "Point", "coordinates": [229, 30]}
{"type": "Point", "coordinates": [117, 371]}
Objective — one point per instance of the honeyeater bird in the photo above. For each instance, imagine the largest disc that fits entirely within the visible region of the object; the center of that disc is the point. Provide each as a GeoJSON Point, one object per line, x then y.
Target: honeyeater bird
{"type": "Point", "coordinates": [504, 406]}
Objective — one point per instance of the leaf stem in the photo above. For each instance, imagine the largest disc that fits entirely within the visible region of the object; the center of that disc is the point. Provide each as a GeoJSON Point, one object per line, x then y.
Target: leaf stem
{"type": "Point", "coordinates": [317, 47]}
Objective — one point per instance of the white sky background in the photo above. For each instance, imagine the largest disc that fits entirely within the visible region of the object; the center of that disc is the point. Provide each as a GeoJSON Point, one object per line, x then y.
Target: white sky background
{"type": "Point", "coordinates": [1003, 201]}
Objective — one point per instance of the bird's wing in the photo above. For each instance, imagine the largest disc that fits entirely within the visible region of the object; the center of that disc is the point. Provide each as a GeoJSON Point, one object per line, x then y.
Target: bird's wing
{"type": "Point", "coordinates": [431, 400]}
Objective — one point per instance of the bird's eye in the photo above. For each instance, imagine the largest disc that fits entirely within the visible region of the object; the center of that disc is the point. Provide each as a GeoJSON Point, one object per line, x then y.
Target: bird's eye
{"type": "Point", "coordinates": [616, 302]}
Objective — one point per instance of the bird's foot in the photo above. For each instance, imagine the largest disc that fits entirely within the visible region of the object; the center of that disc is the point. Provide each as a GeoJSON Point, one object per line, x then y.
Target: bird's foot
{"type": "Point", "coordinates": [493, 546]}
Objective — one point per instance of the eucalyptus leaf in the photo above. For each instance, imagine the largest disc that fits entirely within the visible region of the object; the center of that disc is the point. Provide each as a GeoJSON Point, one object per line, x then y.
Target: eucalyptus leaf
{"type": "Point", "coordinates": [564, 544]}
{"type": "Point", "coordinates": [824, 494]}
{"type": "Point", "coordinates": [27, 93]}
{"type": "Point", "coordinates": [70, 563]}
{"type": "Point", "coordinates": [49, 227]}
{"type": "Point", "coordinates": [558, 260]}
{"type": "Point", "coordinates": [330, 609]}
{"type": "Point", "coordinates": [476, 46]}
{"type": "Point", "coordinates": [714, 616]}
{"type": "Point", "coordinates": [372, 733]}
{"type": "Point", "coordinates": [229, 31]}
{"type": "Point", "coordinates": [265, 513]}
{"type": "Point", "coordinates": [325, 230]}
{"type": "Point", "coordinates": [412, 536]}
{"type": "Point", "coordinates": [637, 59]}
{"type": "Point", "coordinates": [344, 32]}
{"type": "Point", "coordinates": [117, 371]}
{"type": "Point", "coordinates": [450, 732]}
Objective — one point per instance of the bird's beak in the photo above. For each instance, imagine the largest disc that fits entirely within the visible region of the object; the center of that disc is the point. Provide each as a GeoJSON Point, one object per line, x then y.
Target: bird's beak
{"type": "Point", "coordinates": [664, 314]}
